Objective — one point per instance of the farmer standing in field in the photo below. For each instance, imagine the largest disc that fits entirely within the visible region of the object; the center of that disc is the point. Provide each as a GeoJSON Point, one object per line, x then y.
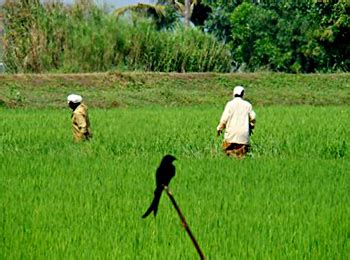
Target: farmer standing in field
{"type": "Point", "coordinates": [238, 120]}
{"type": "Point", "coordinates": [80, 118]}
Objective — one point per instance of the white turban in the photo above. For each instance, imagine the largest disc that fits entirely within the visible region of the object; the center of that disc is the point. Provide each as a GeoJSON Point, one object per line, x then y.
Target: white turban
{"type": "Point", "coordinates": [238, 90]}
{"type": "Point", "coordinates": [74, 98]}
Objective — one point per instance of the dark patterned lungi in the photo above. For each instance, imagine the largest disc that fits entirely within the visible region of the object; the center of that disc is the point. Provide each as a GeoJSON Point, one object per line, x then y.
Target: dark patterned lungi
{"type": "Point", "coordinates": [235, 150]}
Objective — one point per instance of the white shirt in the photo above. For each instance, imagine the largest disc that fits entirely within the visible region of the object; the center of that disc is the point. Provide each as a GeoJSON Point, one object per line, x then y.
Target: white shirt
{"type": "Point", "coordinates": [237, 115]}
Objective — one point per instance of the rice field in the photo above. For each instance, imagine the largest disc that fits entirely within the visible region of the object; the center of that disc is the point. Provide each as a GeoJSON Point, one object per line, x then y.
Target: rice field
{"type": "Point", "coordinates": [290, 199]}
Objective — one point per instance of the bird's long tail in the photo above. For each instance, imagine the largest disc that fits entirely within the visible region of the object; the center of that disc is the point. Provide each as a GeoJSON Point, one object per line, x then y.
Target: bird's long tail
{"type": "Point", "coordinates": [155, 202]}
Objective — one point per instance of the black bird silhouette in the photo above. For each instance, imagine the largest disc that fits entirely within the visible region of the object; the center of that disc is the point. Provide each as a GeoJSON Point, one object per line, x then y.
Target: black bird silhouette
{"type": "Point", "coordinates": [164, 173]}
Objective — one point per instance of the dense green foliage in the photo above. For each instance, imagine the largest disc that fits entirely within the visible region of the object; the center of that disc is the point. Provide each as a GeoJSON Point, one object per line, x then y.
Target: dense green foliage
{"type": "Point", "coordinates": [84, 38]}
{"type": "Point", "coordinates": [64, 200]}
{"type": "Point", "coordinates": [290, 36]}
{"type": "Point", "coordinates": [284, 36]}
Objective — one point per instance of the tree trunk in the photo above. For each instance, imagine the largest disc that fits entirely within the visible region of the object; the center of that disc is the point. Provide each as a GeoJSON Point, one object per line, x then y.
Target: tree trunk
{"type": "Point", "coordinates": [187, 12]}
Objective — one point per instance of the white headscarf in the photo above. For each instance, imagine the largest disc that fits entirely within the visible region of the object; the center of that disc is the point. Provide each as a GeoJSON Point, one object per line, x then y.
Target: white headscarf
{"type": "Point", "coordinates": [238, 91]}
{"type": "Point", "coordinates": [74, 98]}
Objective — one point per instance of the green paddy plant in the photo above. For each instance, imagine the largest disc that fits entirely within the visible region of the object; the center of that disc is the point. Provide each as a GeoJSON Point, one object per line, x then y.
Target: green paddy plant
{"type": "Point", "coordinates": [289, 200]}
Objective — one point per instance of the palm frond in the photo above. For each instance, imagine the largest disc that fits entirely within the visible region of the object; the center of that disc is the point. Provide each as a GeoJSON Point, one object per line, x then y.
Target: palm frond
{"type": "Point", "coordinates": [180, 6]}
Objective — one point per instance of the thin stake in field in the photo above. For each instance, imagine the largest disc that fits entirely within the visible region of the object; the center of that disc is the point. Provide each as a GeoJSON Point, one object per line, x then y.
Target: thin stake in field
{"type": "Point", "coordinates": [184, 223]}
{"type": "Point", "coordinates": [164, 174]}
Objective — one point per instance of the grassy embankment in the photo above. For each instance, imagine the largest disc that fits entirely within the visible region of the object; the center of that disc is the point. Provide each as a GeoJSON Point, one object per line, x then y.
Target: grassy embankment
{"type": "Point", "coordinates": [134, 89]}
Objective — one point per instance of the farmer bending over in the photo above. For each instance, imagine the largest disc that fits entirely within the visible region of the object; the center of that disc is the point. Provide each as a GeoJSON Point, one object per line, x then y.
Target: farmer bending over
{"type": "Point", "coordinates": [80, 118]}
{"type": "Point", "coordinates": [238, 120]}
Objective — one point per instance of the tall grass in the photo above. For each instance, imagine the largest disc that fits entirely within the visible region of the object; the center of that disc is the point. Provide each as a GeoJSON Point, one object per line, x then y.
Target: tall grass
{"type": "Point", "coordinates": [84, 38]}
{"type": "Point", "coordinates": [63, 200]}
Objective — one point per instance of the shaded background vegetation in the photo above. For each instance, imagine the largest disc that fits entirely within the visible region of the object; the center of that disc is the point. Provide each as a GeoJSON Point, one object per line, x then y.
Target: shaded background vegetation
{"type": "Point", "coordinates": [290, 36]}
{"type": "Point", "coordinates": [224, 36]}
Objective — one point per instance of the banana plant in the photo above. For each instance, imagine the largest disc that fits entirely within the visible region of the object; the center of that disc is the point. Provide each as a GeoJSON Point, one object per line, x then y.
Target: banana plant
{"type": "Point", "coordinates": [148, 8]}
{"type": "Point", "coordinates": [159, 9]}
{"type": "Point", "coordinates": [181, 6]}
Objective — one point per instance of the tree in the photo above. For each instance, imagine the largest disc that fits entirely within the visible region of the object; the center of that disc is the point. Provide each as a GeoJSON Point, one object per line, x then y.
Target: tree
{"type": "Point", "coordinates": [334, 34]}
{"type": "Point", "coordinates": [197, 12]}
{"type": "Point", "coordinates": [253, 32]}
{"type": "Point", "coordinates": [291, 36]}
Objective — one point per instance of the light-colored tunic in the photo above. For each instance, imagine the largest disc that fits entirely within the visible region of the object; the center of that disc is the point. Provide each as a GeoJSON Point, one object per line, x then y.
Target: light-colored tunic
{"type": "Point", "coordinates": [237, 116]}
{"type": "Point", "coordinates": [81, 123]}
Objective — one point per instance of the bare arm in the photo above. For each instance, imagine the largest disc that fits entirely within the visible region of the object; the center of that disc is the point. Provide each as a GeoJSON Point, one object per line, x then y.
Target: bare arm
{"type": "Point", "coordinates": [252, 120]}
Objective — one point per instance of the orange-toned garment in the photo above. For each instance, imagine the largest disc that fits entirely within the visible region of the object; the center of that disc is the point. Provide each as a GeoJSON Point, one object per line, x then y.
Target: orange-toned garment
{"type": "Point", "coordinates": [81, 123]}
